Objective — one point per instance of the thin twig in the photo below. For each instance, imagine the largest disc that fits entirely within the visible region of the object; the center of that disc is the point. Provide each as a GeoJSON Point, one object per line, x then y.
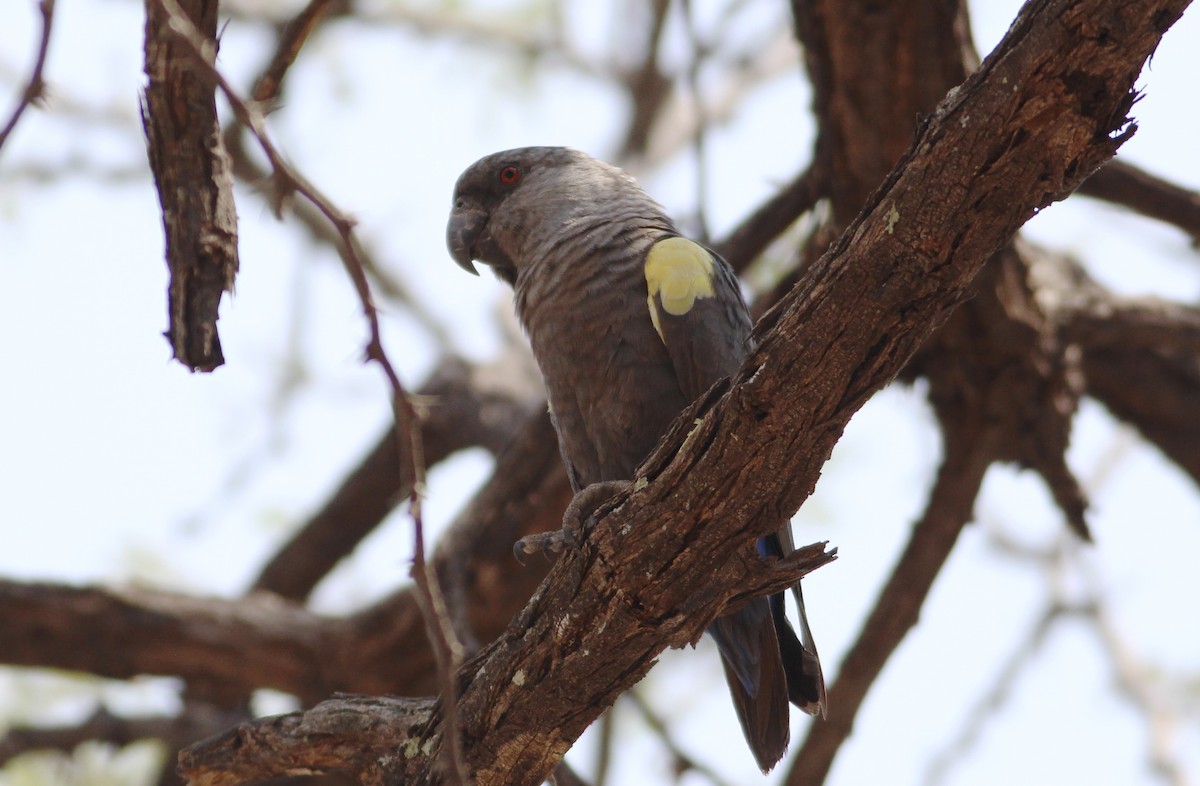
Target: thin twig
{"type": "Point", "coordinates": [291, 181]}
{"type": "Point", "coordinates": [35, 88]}
{"type": "Point", "coordinates": [293, 38]}
{"type": "Point", "coordinates": [389, 286]}
{"type": "Point", "coordinates": [445, 644]}
{"type": "Point", "coordinates": [899, 604]}
{"type": "Point", "coordinates": [749, 238]}
{"type": "Point", "coordinates": [683, 761]}
{"type": "Point", "coordinates": [700, 133]}
{"type": "Point", "coordinates": [448, 650]}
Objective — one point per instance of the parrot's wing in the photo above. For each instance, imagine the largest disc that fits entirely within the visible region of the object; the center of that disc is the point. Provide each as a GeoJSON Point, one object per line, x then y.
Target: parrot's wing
{"type": "Point", "coordinates": [698, 311]}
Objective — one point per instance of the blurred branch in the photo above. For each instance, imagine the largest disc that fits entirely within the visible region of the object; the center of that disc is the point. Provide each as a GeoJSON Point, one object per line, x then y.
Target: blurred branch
{"type": "Point", "coordinates": [899, 602]}
{"type": "Point", "coordinates": [1124, 184]}
{"type": "Point", "coordinates": [563, 775]}
{"type": "Point", "coordinates": [35, 88]}
{"type": "Point", "coordinates": [1140, 357]}
{"type": "Point", "coordinates": [229, 648]}
{"type": "Point", "coordinates": [771, 219]}
{"type": "Point", "coordinates": [604, 748]}
{"type": "Point", "coordinates": [457, 411]}
{"type": "Point", "coordinates": [646, 86]}
{"type": "Point", "coordinates": [474, 29]}
{"type": "Point", "coordinates": [679, 117]}
{"type": "Point", "coordinates": [319, 229]}
{"type": "Point", "coordinates": [103, 726]}
{"type": "Point", "coordinates": [1136, 681]}
{"type": "Point", "coordinates": [295, 34]}
{"type": "Point", "coordinates": [682, 762]}
{"type": "Point", "coordinates": [43, 174]}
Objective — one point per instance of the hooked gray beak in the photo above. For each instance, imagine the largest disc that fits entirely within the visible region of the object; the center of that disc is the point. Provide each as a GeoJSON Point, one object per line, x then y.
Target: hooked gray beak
{"type": "Point", "coordinates": [462, 231]}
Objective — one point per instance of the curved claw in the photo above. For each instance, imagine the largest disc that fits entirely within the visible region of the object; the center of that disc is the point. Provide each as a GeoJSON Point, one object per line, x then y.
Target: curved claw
{"type": "Point", "coordinates": [549, 544]}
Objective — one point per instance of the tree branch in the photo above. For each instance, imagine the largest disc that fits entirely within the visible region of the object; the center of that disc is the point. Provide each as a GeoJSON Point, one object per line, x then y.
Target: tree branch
{"type": "Point", "coordinates": [35, 88]}
{"type": "Point", "coordinates": [667, 556]}
{"type": "Point", "coordinates": [195, 186]}
{"type": "Point", "coordinates": [1126, 185]}
{"type": "Point", "coordinates": [898, 607]}
{"type": "Point", "coordinates": [457, 412]}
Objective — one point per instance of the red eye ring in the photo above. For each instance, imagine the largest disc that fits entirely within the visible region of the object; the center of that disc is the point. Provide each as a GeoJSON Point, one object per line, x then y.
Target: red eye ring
{"type": "Point", "coordinates": [509, 174]}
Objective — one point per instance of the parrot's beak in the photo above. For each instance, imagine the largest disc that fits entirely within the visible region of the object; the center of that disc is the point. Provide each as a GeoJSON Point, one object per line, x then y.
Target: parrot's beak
{"type": "Point", "coordinates": [464, 229]}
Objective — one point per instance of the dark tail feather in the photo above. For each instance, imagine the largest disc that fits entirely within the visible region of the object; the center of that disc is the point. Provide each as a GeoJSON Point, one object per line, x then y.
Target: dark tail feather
{"type": "Point", "coordinates": [757, 679]}
{"type": "Point", "coordinates": [806, 683]}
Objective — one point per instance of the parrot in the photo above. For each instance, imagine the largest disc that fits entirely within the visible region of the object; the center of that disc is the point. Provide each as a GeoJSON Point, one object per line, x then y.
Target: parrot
{"type": "Point", "coordinates": [629, 323]}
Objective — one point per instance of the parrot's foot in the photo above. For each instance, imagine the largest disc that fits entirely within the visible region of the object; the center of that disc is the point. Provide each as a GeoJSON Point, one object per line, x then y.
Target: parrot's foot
{"type": "Point", "coordinates": [551, 544]}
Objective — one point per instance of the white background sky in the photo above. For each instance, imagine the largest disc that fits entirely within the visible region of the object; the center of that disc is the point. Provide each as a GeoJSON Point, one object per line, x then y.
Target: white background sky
{"type": "Point", "coordinates": [117, 465]}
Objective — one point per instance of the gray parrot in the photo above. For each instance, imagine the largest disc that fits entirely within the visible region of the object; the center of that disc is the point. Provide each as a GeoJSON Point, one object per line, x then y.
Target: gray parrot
{"type": "Point", "coordinates": [630, 322]}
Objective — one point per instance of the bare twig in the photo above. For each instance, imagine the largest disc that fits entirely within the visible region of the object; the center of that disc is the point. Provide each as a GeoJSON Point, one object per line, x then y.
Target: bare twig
{"type": "Point", "coordinates": [294, 36]}
{"type": "Point", "coordinates": [749, 238]}
{"type": "Point", "coordinates": [699, 134]}
{"type": "Point", "coordinates": [683, 761]}
{"type": "Point", "coordinates": [895, 613]}
{"type": "Point", "coordinates": [35, 88]}
{"type": "Point", "coordinates": [445, 644]}
{"type": "Point", "coordinates": [447, 649]}
{"type": "Point", "coordinates": [202, 52]}
{"type": "Point", "coordinates": [312, 219]}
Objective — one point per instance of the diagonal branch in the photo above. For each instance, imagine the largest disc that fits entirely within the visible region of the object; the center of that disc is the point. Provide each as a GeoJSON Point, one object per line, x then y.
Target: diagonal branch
{"type": "Point", "coordinates": [294, 36]}
{"type": "Point", "coordinates": [1126, 185]}
{"type": "Point", "coordinates": [460, 412]}
{"type": "Point", "coordinates": [757, 230]}
{"type": "Point", "coordinates": [667, 556]}
{"type": "Point", "coordinates": [899, 605]}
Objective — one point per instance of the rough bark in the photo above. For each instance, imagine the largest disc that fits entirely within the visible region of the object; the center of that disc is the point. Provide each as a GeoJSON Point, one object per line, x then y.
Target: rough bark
{"type": "Point", "coordinates": [195, 186]}
{"type": "Point", "coordinates": [1045, 110]}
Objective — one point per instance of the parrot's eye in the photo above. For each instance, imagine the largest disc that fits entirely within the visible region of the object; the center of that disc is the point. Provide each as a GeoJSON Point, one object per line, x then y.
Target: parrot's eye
{"type": "Point", "coordinates": [509, 175]}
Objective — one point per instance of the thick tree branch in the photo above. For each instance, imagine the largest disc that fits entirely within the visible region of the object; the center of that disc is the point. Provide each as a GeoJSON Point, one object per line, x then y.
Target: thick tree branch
{"type": "Point", "coordinates": [1046, 109]}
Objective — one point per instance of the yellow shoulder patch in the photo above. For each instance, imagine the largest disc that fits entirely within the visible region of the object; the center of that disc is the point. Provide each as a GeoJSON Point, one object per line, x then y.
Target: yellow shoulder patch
{"type": "Point", "coordinates": [677, 271]}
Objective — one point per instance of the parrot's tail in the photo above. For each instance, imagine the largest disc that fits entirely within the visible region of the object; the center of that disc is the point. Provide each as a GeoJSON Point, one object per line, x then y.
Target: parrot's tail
{"type": "Point", "coordinates": [806, 683]}
{"type": "Point", "coordinates": [758, 682]}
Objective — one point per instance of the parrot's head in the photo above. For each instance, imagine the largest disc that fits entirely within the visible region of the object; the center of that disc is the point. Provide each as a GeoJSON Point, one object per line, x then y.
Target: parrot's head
{"type": "Point", "coordinates": [509, 203]}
